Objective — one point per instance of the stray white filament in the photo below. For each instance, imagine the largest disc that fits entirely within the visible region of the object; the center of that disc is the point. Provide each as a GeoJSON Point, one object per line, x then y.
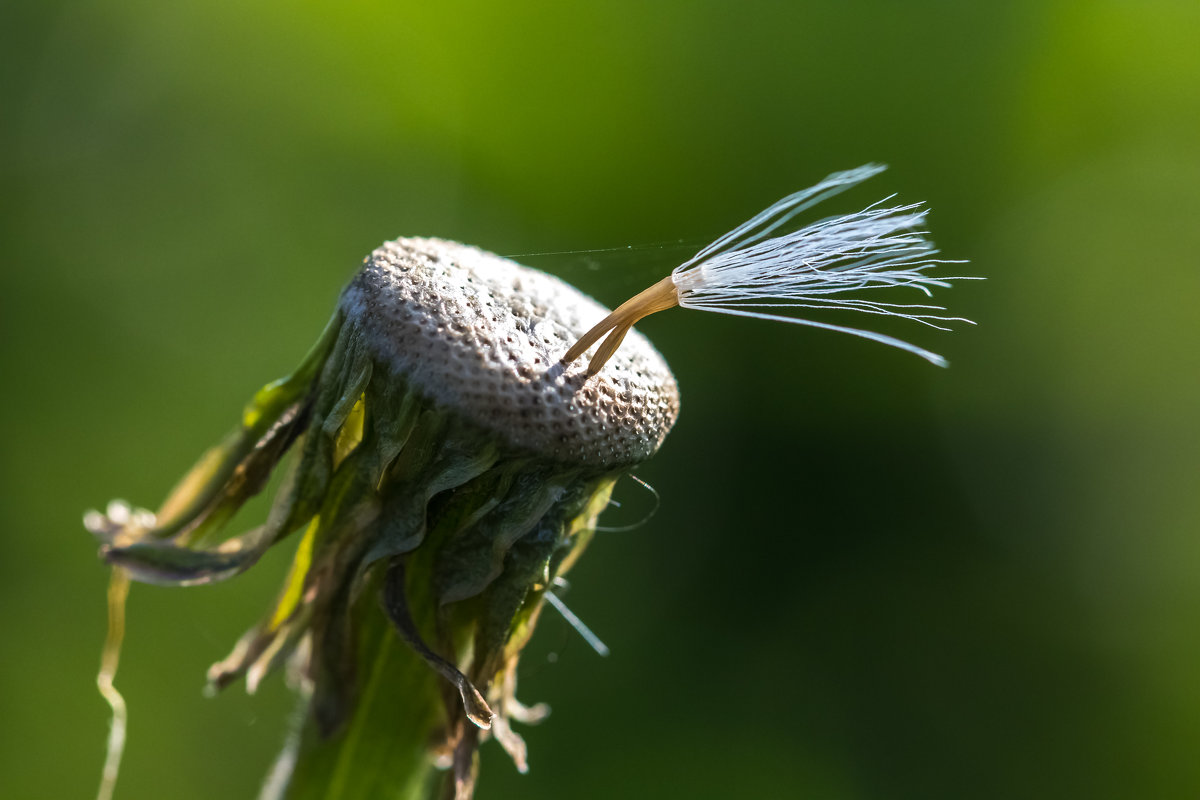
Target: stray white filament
{"type": "Point", "coordinates": [815, 265]}
{"type": "Point", "coordinates": [576, 623]}
{"type": "Point", "coordinates": [645, 517]}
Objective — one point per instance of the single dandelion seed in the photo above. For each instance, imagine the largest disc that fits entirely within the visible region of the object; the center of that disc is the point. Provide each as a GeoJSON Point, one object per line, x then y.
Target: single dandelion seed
{"type": "Point", "coordinates": [764, 264]}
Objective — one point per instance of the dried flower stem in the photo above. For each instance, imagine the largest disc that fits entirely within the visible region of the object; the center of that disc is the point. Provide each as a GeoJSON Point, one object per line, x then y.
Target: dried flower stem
{"type": "Point", "coordinates": [118, 591]}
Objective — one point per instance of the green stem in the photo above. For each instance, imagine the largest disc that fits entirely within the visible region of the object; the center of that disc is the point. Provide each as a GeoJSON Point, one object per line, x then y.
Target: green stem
{"type": "Point", "coordinates": [383, 750]}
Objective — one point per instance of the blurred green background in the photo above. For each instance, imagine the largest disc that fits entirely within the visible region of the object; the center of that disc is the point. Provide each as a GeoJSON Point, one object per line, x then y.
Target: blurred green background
{"type": "Point", "coordinates": [869, 578]}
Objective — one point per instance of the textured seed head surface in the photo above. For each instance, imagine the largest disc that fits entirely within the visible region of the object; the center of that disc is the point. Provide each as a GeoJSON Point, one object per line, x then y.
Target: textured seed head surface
{"type": "Point", "coordinates": [483, 335]}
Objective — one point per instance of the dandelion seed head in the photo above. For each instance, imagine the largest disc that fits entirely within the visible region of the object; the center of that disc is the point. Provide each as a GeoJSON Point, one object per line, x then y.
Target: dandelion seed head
{"type": "Point", "coordinates": [482, 334]}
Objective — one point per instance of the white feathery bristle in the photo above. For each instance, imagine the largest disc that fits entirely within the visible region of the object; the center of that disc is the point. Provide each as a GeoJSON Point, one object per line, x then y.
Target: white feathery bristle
{"type": "Point", "coordinates": [813, 266]}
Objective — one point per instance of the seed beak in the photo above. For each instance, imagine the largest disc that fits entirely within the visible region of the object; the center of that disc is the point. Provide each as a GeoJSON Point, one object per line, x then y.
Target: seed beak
{"type": "Point", "coordinates": [658, 297]}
